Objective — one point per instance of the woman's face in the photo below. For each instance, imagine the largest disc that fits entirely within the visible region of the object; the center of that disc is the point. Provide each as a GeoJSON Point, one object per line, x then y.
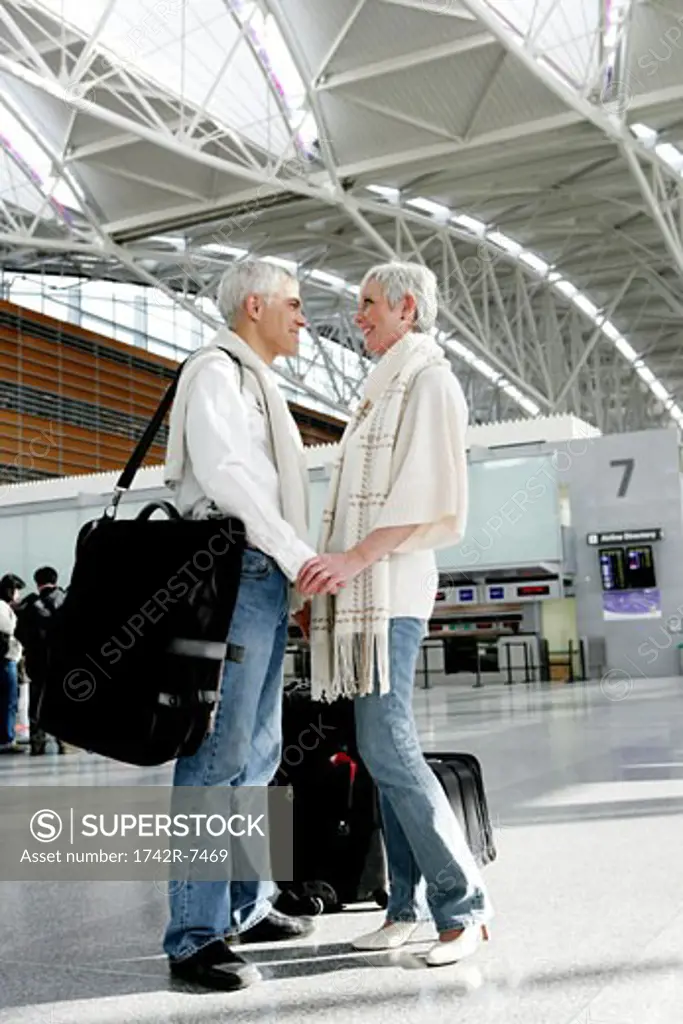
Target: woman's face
{"type": "Point", "coordinates": [382, 325]}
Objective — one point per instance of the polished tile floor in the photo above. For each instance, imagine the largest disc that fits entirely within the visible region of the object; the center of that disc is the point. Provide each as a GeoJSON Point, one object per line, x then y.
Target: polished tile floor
{"type": "Point", "coordinates": [586, 791]}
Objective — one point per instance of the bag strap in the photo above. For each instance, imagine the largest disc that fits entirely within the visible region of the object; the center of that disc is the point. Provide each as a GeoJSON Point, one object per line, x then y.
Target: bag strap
{"type": "Point", "coordinates": [144, 444]}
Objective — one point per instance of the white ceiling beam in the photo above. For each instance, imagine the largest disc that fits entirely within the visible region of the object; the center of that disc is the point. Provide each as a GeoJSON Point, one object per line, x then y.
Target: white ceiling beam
{"type": "Point", "coordinates": [89, 50]}
{"type": "Point", "coordinates": [484, 94]}
{"type": "Point", "coordinates": [136, 93]}
{"type": "Point", "coordinates": [399, 116]}
{"type": "Point", "coordinates": [90, 149]}
{"type": "Point", "coordinates": [50, 45]}
{"type": "Point", "coordinates": [65, 245]}
{"type": "Point", "coordinates": [444, 8]}
{"type": "Point", "coordinates": [9, 217]}
{"type": "Point", "coordinates": [595, 337]}
{"type": "Point", "coordinates": [528, 313]}
{"type": "Point", "coordinates": [405, 62]}
{"type": "Point", "coordinates": [659, 97]}
{"type": "Point", "coordinates": [203, 108]}
{"type": "Point", "coordinates": [612, 126]}
{"type": "Point", "coordinates": [293, 42]}
{"type": "Point", "coordinates": [427, 154]}
{"type": "Point", "coordinates": [672, 240]}
{"type": "Point", "coordinates": [337, 42]}
{"type": "Point", "coordinates": [144, 179]}
{"type": "Point", "coordinates": [27, 47]}
{"type": "Point", "coordinates": [164, 141]}
{"type": "Point", "coordinates": [221, 207]}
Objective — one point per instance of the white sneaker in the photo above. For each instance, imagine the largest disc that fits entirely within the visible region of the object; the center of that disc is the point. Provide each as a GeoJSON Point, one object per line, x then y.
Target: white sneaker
{"type": "Point", "coordinates": [453, 951]}
{"type": "Point", "coordinates": [390, 936]}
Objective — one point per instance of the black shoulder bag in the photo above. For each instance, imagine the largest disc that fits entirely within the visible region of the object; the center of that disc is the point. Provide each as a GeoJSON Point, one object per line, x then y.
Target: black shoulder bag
{"type": "Point", "coordinates": [137, 653]}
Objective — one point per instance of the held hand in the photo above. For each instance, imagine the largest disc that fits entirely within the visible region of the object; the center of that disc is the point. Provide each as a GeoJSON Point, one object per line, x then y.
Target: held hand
{"type": "Point", "coordinates": [303, 620]}
{"type": "Point", "coordinates": [327, 574]}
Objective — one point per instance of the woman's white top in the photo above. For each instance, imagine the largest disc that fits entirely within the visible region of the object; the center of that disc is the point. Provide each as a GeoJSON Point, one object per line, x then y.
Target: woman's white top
{"type": "Point", "coordinates": [436, 404]}
{"type": "Point", "coordinates": [8, 623]}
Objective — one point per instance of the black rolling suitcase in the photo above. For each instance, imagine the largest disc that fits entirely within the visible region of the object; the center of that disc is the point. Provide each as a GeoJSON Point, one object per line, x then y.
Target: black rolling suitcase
{"type": "Point", "coordinates": [461, 778]}
{"type": "Point", "coordinates": [338, 848]}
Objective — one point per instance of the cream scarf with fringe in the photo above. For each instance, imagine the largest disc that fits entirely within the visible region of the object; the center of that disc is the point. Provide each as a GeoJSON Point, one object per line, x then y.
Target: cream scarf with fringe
{"type": "Point", "coordinates": [350, 632]}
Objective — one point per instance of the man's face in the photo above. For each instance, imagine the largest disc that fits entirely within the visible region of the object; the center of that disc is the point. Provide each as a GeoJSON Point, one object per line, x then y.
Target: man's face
{"type": "Point", "coordinates": [280, 319]}
{"type": "Point", "coordinates": [381, 325]}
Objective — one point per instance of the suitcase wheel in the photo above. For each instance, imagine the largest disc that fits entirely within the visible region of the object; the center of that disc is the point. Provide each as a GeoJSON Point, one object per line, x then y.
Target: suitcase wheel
{"type": "Point", "coordinates": [305, 905]}
{"type": "Point", "coordinates": [324, 892]}
{"type": "Point", "coordinates": [381, 898]}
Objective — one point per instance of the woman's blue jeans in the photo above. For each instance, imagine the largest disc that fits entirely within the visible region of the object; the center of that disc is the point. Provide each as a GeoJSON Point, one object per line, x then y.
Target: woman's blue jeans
{"type": "Point", "coordinates": [9, 700]}
{"type": "Point", "coordinates": [431, 868]}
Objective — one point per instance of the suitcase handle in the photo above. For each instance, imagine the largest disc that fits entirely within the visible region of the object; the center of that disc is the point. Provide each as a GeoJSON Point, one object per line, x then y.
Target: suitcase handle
{"type": "Point", "coordinates": [343, 758]}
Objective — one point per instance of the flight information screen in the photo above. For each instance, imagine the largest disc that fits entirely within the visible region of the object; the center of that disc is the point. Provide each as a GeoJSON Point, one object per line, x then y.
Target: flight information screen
{"type": "Point", "coordinates": [629, 568]}
{"type": "Point", "coordinates": [612, 568]}
{"type": "Point", "coordinates": [640, 567]}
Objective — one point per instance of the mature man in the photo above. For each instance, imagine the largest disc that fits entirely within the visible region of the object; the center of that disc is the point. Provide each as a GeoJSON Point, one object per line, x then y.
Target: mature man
{"type": "Point", "coordinates": [234, 449]}
{"type": "Point", "coordinates": [399, 490]}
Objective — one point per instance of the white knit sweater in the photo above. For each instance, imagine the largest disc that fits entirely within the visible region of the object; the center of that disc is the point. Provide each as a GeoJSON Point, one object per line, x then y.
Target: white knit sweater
{"type": "Point", "coordinates": [8, 623]}
{"type": "Point", "coordinates": [435, 420]}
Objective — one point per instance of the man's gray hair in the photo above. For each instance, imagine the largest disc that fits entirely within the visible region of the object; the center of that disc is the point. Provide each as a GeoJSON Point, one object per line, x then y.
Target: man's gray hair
{"type": "Point", "coordinates": [399, 279]}
{"type": "Point", "coordinates": [248, 277]}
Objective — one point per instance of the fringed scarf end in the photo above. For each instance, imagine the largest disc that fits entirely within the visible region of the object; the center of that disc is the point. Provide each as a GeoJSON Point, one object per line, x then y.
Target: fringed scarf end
{"type": "Point", "coordinates": [357, 658]}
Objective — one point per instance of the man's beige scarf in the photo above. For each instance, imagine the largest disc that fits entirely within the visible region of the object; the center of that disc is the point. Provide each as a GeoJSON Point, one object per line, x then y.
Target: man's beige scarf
{"type": "Point", "coordinates": [350, 632]}
{"type": "Point", "coordinates": [287, 446]}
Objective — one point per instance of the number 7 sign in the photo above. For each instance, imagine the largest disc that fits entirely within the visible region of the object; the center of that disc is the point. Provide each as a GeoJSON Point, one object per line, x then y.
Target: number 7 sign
{"type": "Point", "coordinates": [628, 465]}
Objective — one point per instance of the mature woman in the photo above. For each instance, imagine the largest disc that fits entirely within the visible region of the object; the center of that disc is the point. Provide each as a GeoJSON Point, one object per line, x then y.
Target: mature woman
{"type": "Point", "coordinates": [10, 654]}
{"type": "Point", "coordinates": [399, 490]}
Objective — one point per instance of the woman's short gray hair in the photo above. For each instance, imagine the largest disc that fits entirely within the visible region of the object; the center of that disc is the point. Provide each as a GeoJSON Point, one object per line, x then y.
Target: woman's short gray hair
{"type": "Point", "coordinates": [399, 279]}
{"type": "Point", "coordinates": [248, 277]}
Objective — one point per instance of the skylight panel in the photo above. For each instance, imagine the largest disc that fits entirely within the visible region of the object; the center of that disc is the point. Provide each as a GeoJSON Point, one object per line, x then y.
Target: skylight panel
{"type": "Point", "coordinates": [385, 192]}
{"type": "Point", "coordinates": [504, 242]}
{"type": "Point", "coordinates": [627, 351]}
{"type": "Point", "coordinates": [429, 206]}
{"type": "Point", "coordinates": [463, 220]}
{"type": "Point", "coordinates": [332, 279]}
{"type": "Point", "coordinates": [659, 391]}
{"type": "Point", "coordinates": [535, 262]}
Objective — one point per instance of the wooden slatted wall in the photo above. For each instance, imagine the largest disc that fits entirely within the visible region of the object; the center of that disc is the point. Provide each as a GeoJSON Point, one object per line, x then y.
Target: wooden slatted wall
{"type": "Point", "coordinates": [72, 401]}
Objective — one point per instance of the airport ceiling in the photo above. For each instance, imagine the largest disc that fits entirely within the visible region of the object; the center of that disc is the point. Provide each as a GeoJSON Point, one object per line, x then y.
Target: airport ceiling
{"type": "Point", "coordinates": [529, 151]}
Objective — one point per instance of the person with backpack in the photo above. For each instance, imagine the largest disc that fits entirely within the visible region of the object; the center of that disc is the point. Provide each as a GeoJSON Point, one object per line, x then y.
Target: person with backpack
{"type": "Point", "coordinates": [10, 655]}
{"type": "Point", "coordinates": [35, 619]}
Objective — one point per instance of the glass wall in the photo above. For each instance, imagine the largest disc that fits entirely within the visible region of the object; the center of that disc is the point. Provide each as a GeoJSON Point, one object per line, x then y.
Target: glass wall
{"type": "Point", "coordinates": [139, 315]}
{"type": "Point", "coordinates": [131, 313]}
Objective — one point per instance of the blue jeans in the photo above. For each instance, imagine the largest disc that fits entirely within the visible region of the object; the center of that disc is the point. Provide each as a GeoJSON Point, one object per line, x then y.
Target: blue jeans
{"type": "Point", "coordinates": [244, 749]}
{"type": "Point", "coordinates": [9, 700]}
{"type": "Point", "coordinates": [428, 856]}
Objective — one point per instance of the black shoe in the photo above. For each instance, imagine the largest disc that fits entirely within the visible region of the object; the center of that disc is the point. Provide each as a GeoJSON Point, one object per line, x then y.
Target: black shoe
{"type": "Point", "coordinates": [13, 748]}
{"type": "Point", "coordinates": [216, 966]}
{"type": "Point", "coordinates": [277, 927]}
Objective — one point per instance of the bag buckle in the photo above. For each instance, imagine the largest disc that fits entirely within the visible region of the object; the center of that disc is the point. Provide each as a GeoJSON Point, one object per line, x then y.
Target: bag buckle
{"type": "Point", "coordinates": [110, 510]}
